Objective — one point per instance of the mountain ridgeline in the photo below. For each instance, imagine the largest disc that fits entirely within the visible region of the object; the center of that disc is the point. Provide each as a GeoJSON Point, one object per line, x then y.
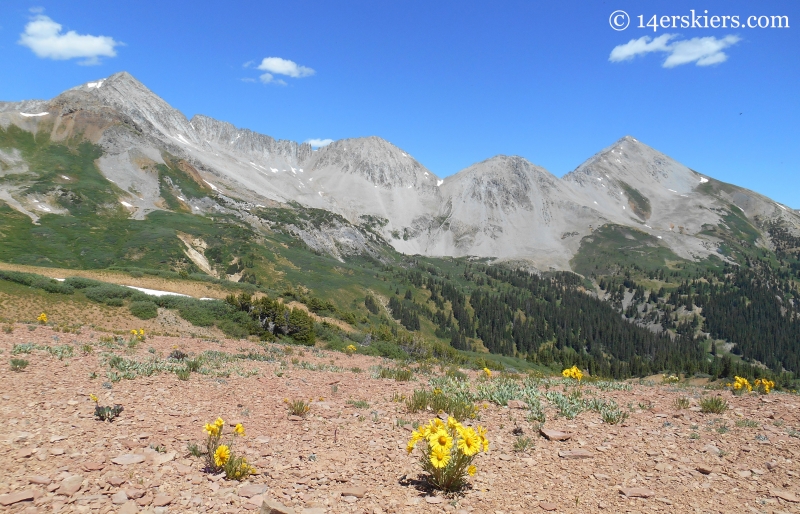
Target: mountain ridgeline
{"type": "Point", "coordinates": [631, 264]}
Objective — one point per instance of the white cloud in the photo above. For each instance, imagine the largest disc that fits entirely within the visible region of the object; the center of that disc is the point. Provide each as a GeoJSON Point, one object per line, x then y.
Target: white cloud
{"type": "Point", "coordinates": [248, 79]}
{"type": "Point", "coordinates": [316, 143]}
{"type": "Point", "coordinates": [703, 51]}
{"type": "Point", "coordinates": [44, 37]}
{"type": "Point", "coordinates": [640, 46]}
{"type": "Point", "coordinates": [248, 64]}
{"type": "Point", "coordinates": [268, 78]}
{"type": "Point", "coordinates": [286, 67]}
{"type": "Point", "coordinates": [36, 10]}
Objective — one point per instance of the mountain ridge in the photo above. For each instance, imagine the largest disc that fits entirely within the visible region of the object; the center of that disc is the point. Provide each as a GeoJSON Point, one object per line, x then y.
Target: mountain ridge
{"type": "Point", "coordinates": [504, 207]}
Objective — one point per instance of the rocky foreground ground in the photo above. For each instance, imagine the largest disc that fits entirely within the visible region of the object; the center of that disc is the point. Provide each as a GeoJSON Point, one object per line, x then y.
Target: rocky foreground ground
{"type": "Point", "coordinates": [348, 453]}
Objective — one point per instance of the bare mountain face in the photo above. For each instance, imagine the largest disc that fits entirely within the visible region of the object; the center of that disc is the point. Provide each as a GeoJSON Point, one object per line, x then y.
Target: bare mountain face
{"type": "Point", "coordinates": [504, 207]}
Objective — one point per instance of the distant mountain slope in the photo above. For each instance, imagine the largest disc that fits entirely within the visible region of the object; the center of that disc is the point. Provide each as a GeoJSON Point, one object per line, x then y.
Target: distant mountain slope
{"type": "Point", "coordinates": [504, 207]}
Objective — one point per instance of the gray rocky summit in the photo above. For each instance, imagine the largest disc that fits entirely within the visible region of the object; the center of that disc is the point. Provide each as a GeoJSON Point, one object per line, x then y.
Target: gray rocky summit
{"type": "Point", "coordinates": [504, 207]}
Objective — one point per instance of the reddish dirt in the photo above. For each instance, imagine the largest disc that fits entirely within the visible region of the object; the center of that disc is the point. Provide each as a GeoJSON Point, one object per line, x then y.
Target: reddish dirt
{"type": "Point", "coordinates": [680, 459]}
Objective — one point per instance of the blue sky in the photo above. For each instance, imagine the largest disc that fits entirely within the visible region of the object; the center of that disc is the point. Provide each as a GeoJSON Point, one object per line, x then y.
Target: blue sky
{"type": "Point", "coordinates": [452, 83]}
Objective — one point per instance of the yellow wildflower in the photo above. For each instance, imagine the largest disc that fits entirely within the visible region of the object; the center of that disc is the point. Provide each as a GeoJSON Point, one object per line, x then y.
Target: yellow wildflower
{"type": "Point", "coordinates": [487, 372]}
{"type": "Point", "coordinates": [452, 423]}
{"type": "Point", "coordinates": [441, 439]}
{"type": "Point", "coordinates": [410, 446]}
{"type": "Point", "coordinates": [472, 470]}
{"type": "Point", "coordinates": [42, 318]}
{"type": "Point", "coordinates": [93, 397]}
{"type": "Point", "coordinates": [469, 443]}
{"type": "Point", "coordinates": [483, 439]}
{"type": "Point", "coordinates": [222, 455]}
{"type": "Point", "coordinates": [238, 429]}
{"type": "Point", "coordinates": [219, 422]}
{"type": "Point", "coordinates": [439, 457]}
{"type": "Point", "coordinates": [212, 430]}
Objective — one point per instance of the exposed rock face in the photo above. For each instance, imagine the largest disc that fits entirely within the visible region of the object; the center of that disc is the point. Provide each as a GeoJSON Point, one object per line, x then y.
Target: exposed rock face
{"type": "Point", "coordinates": [503, 207]}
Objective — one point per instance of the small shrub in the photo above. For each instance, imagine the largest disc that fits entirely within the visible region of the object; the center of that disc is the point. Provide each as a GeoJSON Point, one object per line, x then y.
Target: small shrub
{"type": "Point", "coordinates": [448, 452]}
{"type": "Point", "coordinates": [358, 404]}
{"type": "Point", "coordinates": [143, 309]}
{"type": "Point", "coordinates": [18, 364]}
{"type": "Point", "coordinates": [613, 415]}
{"type": "Point", "coordinates": [746, 423]}
{"type": "Point", "coordinates": [177, 355]}
{"type": "Point", "coordinates": [8, 329]}
{"type": "Point", "coordinates": [105, 413]}
{"type": "Point", "coordinates": [183, 373]}
{"type": "Point", "coordinates": [86, 349]}
{"type": "Point", "coordinates": [350, 349]}
{"type": "Point", "coordinates": [713, 405]}
{"type": "Point", "coordinates": [763, 385]}
{"type": "Point", "coordinates": [681, 403]}
{"type": "Point", "coordinates": [298, 407]}
{"type": "Point", "coordinates": [22, 348]}
{"type": "Point", "coordinates": [670, 379]}
{"type": "Point", "coordinates": [523, 444]}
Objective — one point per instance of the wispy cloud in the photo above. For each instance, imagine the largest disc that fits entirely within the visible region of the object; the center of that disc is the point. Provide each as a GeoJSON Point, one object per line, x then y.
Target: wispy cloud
{"type": "Point", "coordinates": [316, 143]}
{"type": "Point", "coordinates": [286, 67]}
{"type": "Point", "coordinates": [703, 51]}
{"type": "Point", "coordinates": [44, 37]}
{"type": "Point", "coordinates": [272, 66]}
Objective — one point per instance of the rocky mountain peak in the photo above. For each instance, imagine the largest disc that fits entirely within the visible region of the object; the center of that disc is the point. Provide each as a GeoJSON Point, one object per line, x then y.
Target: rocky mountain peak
{"type": "Point", "coordinates": [377, 160]}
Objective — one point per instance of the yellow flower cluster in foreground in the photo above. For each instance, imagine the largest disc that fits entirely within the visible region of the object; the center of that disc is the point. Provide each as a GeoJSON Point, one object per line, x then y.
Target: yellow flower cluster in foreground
{"type": "Point", "coordinates": [573, 372]}
{"type": "Point", "coordinates": [42, 318]}
{"type": "Point", "coordinates": [350, 349]}
{"type": "Point", "coordinates": [220, 457]}
{"type": "Point", "coordinates": [449, 450]}
{"type": "Point", "coordinates": [740, 384]}
{"type": "Point", "coordinates": [487, 372]}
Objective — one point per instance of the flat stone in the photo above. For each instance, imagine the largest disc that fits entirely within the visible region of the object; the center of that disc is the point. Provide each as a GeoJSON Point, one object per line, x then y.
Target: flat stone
{"type": "Point", "coordinates": [70, 485]}
{"type": "Point", "coordinates": [349, 499]}
{"type": "Point", "coordinates": [119, 498]}
{"type": "Point", "coordinates": [115, 481]}
{"type": "Point", "coordinates": [357, 491]}
{"type": "Point", "coordinates": [162, 500]}
{"type": "Point", "coordinates": [554, 435]}
{"type": "Point", "coordinates": [548, 506]}
{"type": "Point", "coordinates": [517, 404]}
{"type": "Point", "coordinates": [16, 497]}
{"type": "Point", "coordinates": [295, 418]}
{"type": "Point", "coordinates": [56, 438]}
{"type": "Point", "coordinates": [250, 490]}
{"type": "Point", "coordinates": [262, 439]}
{"type": "Point", "coordinates": [434, 499]}
{"type": "Point", "coordinates": [273, 507]}
{"type": "Point", "coordinates": [504, 457]}
{"type": "Point", "coordinates": [314, 510]}
{"type": "Point", "coordinates": [129, 508]}
{"type": "Point", "coordinates": [93, 466]}
{"type": "Point", "coordinates": [24, 453]}
{"type": "Point", "coordinates": [127, 459]}
{"type": "Point", "coordinates": [575, 454]}
{"type": "Point", "coordinates": [163, 458]}
{"type": "Point", "coordinates": [637, 492]}
{"type": "Point", "coordinates": [39, 480]}
{"type": "Point", "coordinates": [785, 495]}
{"type": "Point", "coordinates": [706, 470]}
{"type": "Point", "coordinates": [134, 493]}
{"type": "Point", "coordinates": [745, 473]}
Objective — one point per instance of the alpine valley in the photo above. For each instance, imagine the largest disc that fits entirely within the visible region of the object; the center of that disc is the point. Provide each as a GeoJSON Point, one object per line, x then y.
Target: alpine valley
{"type": "Point", "coordinates": [629, 265]}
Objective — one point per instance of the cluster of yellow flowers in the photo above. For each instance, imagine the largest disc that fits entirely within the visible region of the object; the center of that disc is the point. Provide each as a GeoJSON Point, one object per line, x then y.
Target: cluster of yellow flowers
{"type": "Point", "coordinates": [573, 372]}
{"type": "Point", "coordinates": [351, 349]}
{"type": "Point", "coordinates": [487, 372]}
{"type": "Point", "coordinates": [764, 385]}
{"type": "Point", "coordinates": [219, 457]}
{"type": "Point", "coordinates": [741, 384]}
{"type": "Point", "coordinates": [670, 379]}
{"type": "Point", "coordinates": [137, 335]}
{"type": "Point", "coordinates": [42, 318]}
{"type": "Point", "coordinates": [450, 449]}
